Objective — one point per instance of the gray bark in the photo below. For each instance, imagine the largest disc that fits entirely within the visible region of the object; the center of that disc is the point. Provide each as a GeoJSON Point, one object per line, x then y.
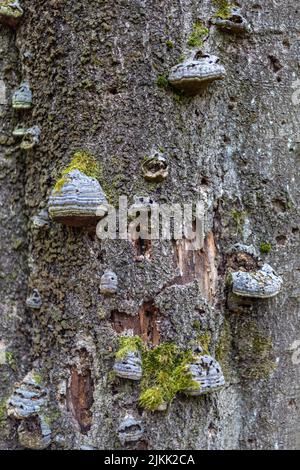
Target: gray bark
{"type": "Point", "coordinates": [93, 69]}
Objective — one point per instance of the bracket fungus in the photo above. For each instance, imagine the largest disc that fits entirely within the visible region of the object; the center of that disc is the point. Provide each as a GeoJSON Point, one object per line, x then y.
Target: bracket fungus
{"type": "Point", "coordinates": [108, 283]}
{"type": "Point", "coordinates": [26, 405]}
{"type": "Point", "coordinates": [155, 168]}
{"type": "Point", "coordinates": [79, 201]}
{"type": "Point", "coordinates": [28, 397]}
{"type": "Point", "coordinates": [207, 375]}
{"type": "Point", "coordinates": [31, 138]}
{"type": "Point", "coordinates": [22, 97]}
{"type": "Point", "coordinates": [129, 366]}
{"type": "Point", "coordinates": [34, 300]}
{"type": "Point", "coordinates": [261, 284]}
{"type": "Point", "coordinates": [130, 430]}
{"type": "Point", "coordinates": [232, 22]}
{"type": "Point", "coordinates": [19, 131]}
{"type": "Point", "coordinates": [192, 75]}
{"type": "Point", "coordinates": [11, 12]}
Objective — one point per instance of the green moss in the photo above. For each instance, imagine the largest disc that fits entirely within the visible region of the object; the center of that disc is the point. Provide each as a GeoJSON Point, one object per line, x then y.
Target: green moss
{"type": "Point", "coordinates": [52, 416]}
{"type": "Point", "coordinates": [224, 9]}
{"type": "Point", "coordinates": [265, 247]}
{"type": "Point", "coordinates": [198, 34]}
{"type": "Point", "coordinates": [255, 351]}
{"type": "Point", "coordinates": [165, 373]}
{"type": "Point", "coordinates": [82, 161]}
{"type": "Point", "coordinates": [239, 219]}
{"type": "Point", "coordinates": [204, 340]}
{"type": "Point", "coordinates": [2, 412]}
{"type": "Point", "coordinates": [165, 370]}
{"type": "Point", "coordinates": [128, 344]}
{"type": "Point", "coordinates": [169, 44]}
{"type": "Point", "coordinates": [9, 356]}
{"type": "Point", "coordinates": [162, 81]}
{"type": "Point", "coordinates": [38, 379]}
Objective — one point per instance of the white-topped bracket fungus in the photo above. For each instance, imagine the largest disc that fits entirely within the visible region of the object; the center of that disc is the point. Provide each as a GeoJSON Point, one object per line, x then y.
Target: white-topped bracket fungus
{"type": "Point", "coordinates": [11, 12]}
{"type": "Point", "coordinates": [22, 97]}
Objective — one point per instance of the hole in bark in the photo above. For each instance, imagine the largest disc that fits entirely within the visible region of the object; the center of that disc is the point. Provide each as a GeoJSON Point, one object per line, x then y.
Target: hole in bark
{"type": "Point", "coordinates": [281, 240]}
{"type": "Point", "coordinates": [121, 322]}
{"type": "Point", "coordinates": [143, 249]}
{"type": "Point", "coordinates": [145, 324]}
{"type": "Point", "coordinates": [149, 320]}
{"type": "Point", "coordinates": [197, 264]}
{"type": "Point", "coordinates": [80, 393]}
{"type": "Point", "coordinates": [276, 65]}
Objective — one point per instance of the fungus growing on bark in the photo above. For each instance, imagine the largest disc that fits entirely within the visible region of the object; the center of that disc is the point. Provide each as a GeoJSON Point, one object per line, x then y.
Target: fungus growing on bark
{"type": "Point", "coordinates": [19, 131]}
{"type": "Point", "coordinates": [11, 12]}
{"type": "Point", "coordinates": [128, 364]}
{"type": "Point", "coordinates": [31, 138]}
{"type": "Point", "coordinates": [261, 284]}
{"type": "Point", "coordinates": [26, 405]}
{"type": "Point", "coordinates": [77, 198]}
{"type": "Point", "coordinates": [192, 75]}
{"type": "Point", "coordinates": [22, 97]}
{"type": "Point", "coordinates": [233, 21]}
{"type": "Point", "coordinates": [155, 168]}
{"type": "Point", "coordinates": [207, 374]}
{"type": "Point", "coordinates": [34, 300]}
{"type": "Point", "coordinates": [130, 430]}
{"type": "Point", "coordinates": [108, 283]}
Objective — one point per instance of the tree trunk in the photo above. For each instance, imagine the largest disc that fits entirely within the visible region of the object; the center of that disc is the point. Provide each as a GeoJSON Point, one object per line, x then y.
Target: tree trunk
{"type": "Point", "coordinates": [97, 71]}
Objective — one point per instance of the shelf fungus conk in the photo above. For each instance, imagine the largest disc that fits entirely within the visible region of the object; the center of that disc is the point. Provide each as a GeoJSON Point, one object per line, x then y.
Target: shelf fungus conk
{"type": "Point", "coordinates": [192, 75]}
{"type": "Point", "coordinates": [26, 404]}
{"type": "Point", "coordinates": [155, 168]}
{"type": "Point", "coordinates": [207, 374]}
{"type": "Point", "coordinates": [19, 131]}
{"type": "Point", "coordinates": [129, 367]}
{"type": "Point", "coordinates": [109, 283]}
{"type": "Point", "coordinates": [235, 22]}
{"type": "Point", "coordinates": [22, 97]}
{"type": "Point", "coordinates": [34, 300]}
{"type": "Point", "coordinates": [11, 12]}
{"type": "Point", "coordinates": [78, 202]}
{"type": "Point", "coordinates": [130, 430]}
{"type": "Point", "coordinates": [260, 284]}
{"type": "Point", "coordinates": [31, 138]}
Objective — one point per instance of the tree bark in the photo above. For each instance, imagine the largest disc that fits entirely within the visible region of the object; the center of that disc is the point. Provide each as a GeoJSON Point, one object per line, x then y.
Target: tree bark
{"type": "Point", "coordinates": [93, 68]}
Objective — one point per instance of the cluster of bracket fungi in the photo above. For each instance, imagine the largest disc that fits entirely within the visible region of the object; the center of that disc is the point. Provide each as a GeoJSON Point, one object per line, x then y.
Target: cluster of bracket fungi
{"type": "Point", "coordinates": [80, 202]}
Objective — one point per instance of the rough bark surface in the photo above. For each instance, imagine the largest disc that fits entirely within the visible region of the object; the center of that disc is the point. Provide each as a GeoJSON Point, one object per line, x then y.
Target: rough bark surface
{"type": "Point", "coordinates": [93, 67]}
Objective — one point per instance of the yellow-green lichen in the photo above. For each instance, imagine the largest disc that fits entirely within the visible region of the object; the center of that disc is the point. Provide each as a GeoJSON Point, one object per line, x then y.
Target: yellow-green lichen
{"type": "Point", "coordinates": [38, 379]}
{"type": "Point", "coordinates": [224, 9]}
{"type": "Point", "coordinates": [239, 218]}
{"type": "Point", "coordinates": [169, 44]}
{"type": "Point", "coordinates": [198, 34]}
{"type": "Point", "coordinates": [204, 340]}
{"type": "Point", "coordinates": [265, 248]}
{"type": "Point", "coordinates": [2, 412]}
{"type": "Point", "coordinates": [82, 161]}
{"type": "Point", "coordinates": [10, 359]}
{"type": "Point", "coordinates": [255, 352]}
{"type": "Point", "coordinates": [162, 81]}
{"type": "Point", "coordinates": [128, 344]}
